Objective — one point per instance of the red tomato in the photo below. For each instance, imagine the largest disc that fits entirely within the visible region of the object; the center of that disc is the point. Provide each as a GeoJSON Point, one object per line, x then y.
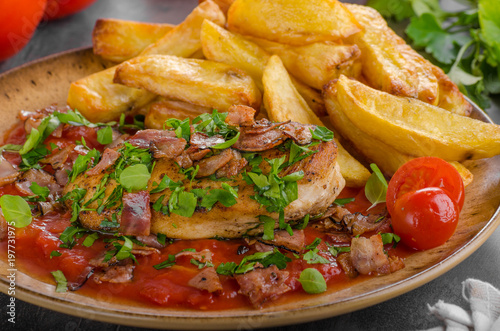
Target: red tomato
{"type": "Point", "coordinates": [61, 8]}
{"type": "Point", "coordinates": [425, 172]}
{"type": "Point", "coordinates": [19, 19]}
{"type": "Point", "coordinates": [425, 218]}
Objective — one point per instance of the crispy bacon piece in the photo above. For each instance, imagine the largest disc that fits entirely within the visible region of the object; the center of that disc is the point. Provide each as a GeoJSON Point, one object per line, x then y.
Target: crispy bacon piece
{"type": "Point", "coordinates": [233, 167]}
{"type": "Point", "coordinates": [261, 285]}
{"type": "Point", "coordinates": [239, 115]}
{"type": "Point", "coordinates": [186, 159]}
{"type": "Point", "coordinates": [167, 147]}
{"type": "Point", "coordinates": [344, 259]}
{"type": "Point", "coordinates": [210, 165]}
{"type": "Point", "coordinates": [136, 214]}
{"type": "Point", "coordinates": [261, 247]}
{"type": "Point", "coordinates": [261, 136]}
{"type": "Point", "coordinates": [40, 177]}
{"type": "Point", "coordinates": [62, 175]}
{"type": "Point", "coordinates": [115, 274]}
{"type": "Point", "coordinates": [57, 159]}
{"type": "Point", "coordinates": [340, 239]}
{"type": "Point", "coordinates": [108, 158]}
{"type": "Point", "coordinates": [4, 228]}
{"type": "Point", "coordinates": [8, 174]}
{"type": "Point", "coordinates": [300, 133]}
{"type": "Point", "coordinates": [358, 223]}
{"type": "Point", "coordinates": [80, 279]}
{"type": "Point", "coordinates": [150, 241]}
{"type": "Point", "coordinates": [118, 141]}
{"type": "Point", "coordinates": [201, 140]}
{"type": "Point", "coordinates": [283, 239]}
{"type": "Point", "coordinates": [207, 279]}
{"type": "Point", "coordinates": [143, 138]}
{"type": "Point", "coordinates": [203, 256]}
{"type": "Point", "coordinates": [367, 255]}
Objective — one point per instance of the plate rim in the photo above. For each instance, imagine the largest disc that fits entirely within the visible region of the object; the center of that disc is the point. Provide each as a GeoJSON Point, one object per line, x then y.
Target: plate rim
{"type": "Point", "coordinates": [256, 319]}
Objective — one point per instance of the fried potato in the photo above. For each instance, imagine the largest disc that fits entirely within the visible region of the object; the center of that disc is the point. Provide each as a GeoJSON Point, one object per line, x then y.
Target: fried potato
{"type": "Point", "coordinates": [200, 82]}
{"type": "Point", "coordinates": [295, 22]}
{"type": "Point", "coordinates": [390, 65]}
{"type": "Point", "coordinates": [161, 110]}
{"type": "Point", "coordinates": [99, 99]}
{"type": "Point", "coordinates": [283, 102]}
{"type": "Point", "coordinates": [466, 175]}
{"type": "Point", "coordinates": [223, 4]}
{"type": "Point", "coordinates": [410, 125]}
{"type": "Point", "coordinates": [119, 40]}
{"type": "Point", "coordinates": [318, 63]}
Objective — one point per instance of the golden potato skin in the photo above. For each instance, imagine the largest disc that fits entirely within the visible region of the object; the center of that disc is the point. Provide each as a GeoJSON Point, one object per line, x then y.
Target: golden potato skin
{"type": "Point", "coordinates": [120, 40]}
{"type": "Point", "coordinates": [294, 22]}
{"type": "Point", "coordinates": [162, 109]}
{"type": "Point", "coordinates": [200, 82]}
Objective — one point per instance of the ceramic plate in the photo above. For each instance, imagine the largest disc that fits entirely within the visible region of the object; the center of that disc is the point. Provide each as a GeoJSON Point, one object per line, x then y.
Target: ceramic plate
{"type": "Point", "coordinates": [46, 81]}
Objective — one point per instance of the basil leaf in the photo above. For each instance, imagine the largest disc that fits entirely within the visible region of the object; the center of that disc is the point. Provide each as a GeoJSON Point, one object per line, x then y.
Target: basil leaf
{"type": "Point", "coordinates": [227, 143]}
{"type": "Point", "coordinates": [322, 133]}
{"type": "Point", "coordinates": [105, 136]}
{"type": "Point", "coordinates": [135, 177]}
{"type": "Point", "coordinates": [342, 202]}
{"type": "Point", "coordinates": [42, 192]}
{"type": "Point", "coordinates": [312, 281]}
{"type": "Point", "coordinates": [16, 210]}
{"type": "Point", "coordinates": [376, 187]}
{"type": "Point", "coordinates": [182, 203]}
{"type": "Point", "coordinates": [269, 224]}
{"type": "Point", "coordinates": [62, 283]}
{"type": "Point", "coordinates": [334, 250]}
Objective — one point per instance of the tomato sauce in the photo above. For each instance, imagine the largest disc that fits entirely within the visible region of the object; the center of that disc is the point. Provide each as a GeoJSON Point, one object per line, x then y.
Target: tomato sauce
{"type": "Point", "coordinates": [166, 287]}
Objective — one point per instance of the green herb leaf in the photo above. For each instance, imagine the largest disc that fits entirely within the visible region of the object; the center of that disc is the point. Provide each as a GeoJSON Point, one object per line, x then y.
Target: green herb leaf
{"type": "Point", "coordinates": [166, 264]}
{"type": "Point", "coordinates": [41, 192]}
{"type": "Point", "coordinates": [389, 238]}
{"type": "Point", "coordinates": [342, 202]}
{"type": "Point", "coordinates": [312, 281]}
{"type": "Point", "coordinates": [226, 196]}
{"type": "Point", "coordinates": [334, 250]}
{"type": "Point", "coordinates": [312, 257]}
{"type": "Point", "coordinates": [268, 227]}
{"type": "Point", "coordinates": [376, 186]}
{"type": "Point", "coordinates": [182, 203]}
{"type": "Point", "coordinates": [105, 136]}
{"type": "Point", "coordinates": [31, 142]}
{"type": "Point", "coordinates": [135, 177]}
{"type": "Point", "coordinates": [162, 239]}
{"type": "Point", "coordinates": [16, 210]}
{"type": "Point", "coordinates": [227, 143]}
{"type": "Point", "coordinates": [322, 133]}
{"type": "Point", "coordinates": [89, 241]}
{"type": "Point", "coordinates": [227, 269]}
{"type": "Point", "coordinates": [201, 265]}
{"type": "Point", "coordinates": [62, 283]}
{"type": "Point", "coordinates": [125, 249]}
{"type": "Point", "coordinates": [314, 244]}
{"type": "Point", "coordinates": [165, 183]}
{"type": "Point", "coordinates": [55, 253]}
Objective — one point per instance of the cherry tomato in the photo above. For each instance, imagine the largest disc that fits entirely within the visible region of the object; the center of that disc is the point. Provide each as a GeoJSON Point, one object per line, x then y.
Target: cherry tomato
{"type": "Point", "coordinates": [425, 218]}
{"type": "Point", "coordinates": [61, 8]}
{"type": "Point", "coordinates": [425, 172]}
{"type": "Point", "coordinates": [19, 19]}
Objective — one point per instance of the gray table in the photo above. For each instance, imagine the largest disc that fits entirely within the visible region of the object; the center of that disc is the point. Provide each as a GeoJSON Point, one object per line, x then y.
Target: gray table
{"type": "Point", "coordinates": [406, 312]}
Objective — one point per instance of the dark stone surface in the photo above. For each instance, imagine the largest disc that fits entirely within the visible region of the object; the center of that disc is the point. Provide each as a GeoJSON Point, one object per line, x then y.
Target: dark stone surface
{"type": "Point", "coordinates": [406, 312]}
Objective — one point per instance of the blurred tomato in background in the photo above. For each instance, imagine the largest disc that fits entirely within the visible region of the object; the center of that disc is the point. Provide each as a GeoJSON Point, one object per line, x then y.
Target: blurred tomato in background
{"type": "Point", "coordinates": [61, 8]}
{"type": "Point", "coordinates": [18, 22]}
{"type": "Point", "coordinates": [20, 18]}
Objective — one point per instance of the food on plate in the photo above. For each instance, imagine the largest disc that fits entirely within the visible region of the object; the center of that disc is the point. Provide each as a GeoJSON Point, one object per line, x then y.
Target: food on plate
{"type": "Point", "coordinates": [201, 82]}
{"type": "Point", "coordinates": [199, 172]}
{"type": "Point", "coordinates": [120, 40]}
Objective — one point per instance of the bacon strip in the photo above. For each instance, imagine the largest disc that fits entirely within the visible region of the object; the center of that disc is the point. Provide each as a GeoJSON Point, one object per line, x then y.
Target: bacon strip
{"type": "Point", "coordinates": [239, 115]}
{"type": "Point", "coordinates": [136, 214]}
{"type": "Point", "coordinates": [143, 138]}
{"type": "Point", "coordinates": [367, 255]}
{"type": "Point", "coordinates": [233, 167]}
{"type": "Point", "coordinates": [109, 158]}
{"type": "Point", "coordinates": [210, 165]}
{"type": "Point", "coordinates": [201, 140]}
{"type": "Point", "coordinates": [283, 239]}
{"type": "Point", "coordinates": [207, 279]}
{"type": "Point", "coordinates": [57, 159]}
{"type": "Point", "coordinates": [8, 174]}
{"type": "Point", "coordinates": [115, 274]}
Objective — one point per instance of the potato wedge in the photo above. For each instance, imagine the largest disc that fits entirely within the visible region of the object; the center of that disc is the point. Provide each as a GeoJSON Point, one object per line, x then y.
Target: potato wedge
{"type": "Point", "coordinates": [318, 63]}
{"type": "Point", "coordinates": [119, 40]}
{"type": "Point", "coordinates": [295, 22]}
{"type": "Point", "coordinates": [223, 4]}
{"type": "Point", "coordinates": [390, 65]}
{"type": "Point", "coordinates": [410, 125]}
{"type": "Point", "coordinates": [283, 102]}
{"type": "Point", "coordinates": [466, 175]}
{"type": "Point", "coordinates": [99, 99]}
{"type": "Point", "coordinates": [200, 82]}
{"type": "Point", "coordinates": [161, 110]}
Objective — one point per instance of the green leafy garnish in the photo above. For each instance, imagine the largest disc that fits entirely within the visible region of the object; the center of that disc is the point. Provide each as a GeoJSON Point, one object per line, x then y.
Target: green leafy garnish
{"type": "Point", "coordinates": [226, 196]}
{"type": "Point", "coordinates": [334, 250]}
{"type": "Point", "coordinates": [248, 263]}
{"type": "Point", "coordinates": [201, 265]}
{"type": "Point", "coordinates": [312, 281]}
{"type": "Point", "coordinates": [376, 186]}
{"type": "Point", "coordinates": [165, 183]}
{"type": "Point", "coordinates": [342, 202]}
{"type": "Point", "coordinates": [135, 177]}
{"type": "Point", "coordinates": [388, 238]}
{"type": "Point", "coordinates": [314, 244]}
{"type": "Point", "coordinates": [322, 133]}
{"type": "Point", "coordinates": [166, 264]}
{"type": "Point", "coordinates": [312, 257]}
{"type": "Point", "coordinates": [268, 223]}
{"type": "Point", "coordinates": [55, 253]}
{"type": "Point", "coordinates": [90, 239]}
{"type": "Point", "coordinates": [16, 210]}
{"type": "Point", "coordinates": [105, 136]}
{"type": "Point", "coordinates": [62, 283]}
{"type": "Point", "coordinates": [41, 192]}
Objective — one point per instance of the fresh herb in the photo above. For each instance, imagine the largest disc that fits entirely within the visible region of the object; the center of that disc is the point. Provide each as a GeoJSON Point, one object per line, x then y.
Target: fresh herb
{"type": "Point", "coordinates": [107, 224]}
{"type": "Point", "coordinates": [166, 264]}
{"type": "Point", "coordinates": [182, 128]}
{"type": "Point", "coordinates": [62, 283]}
{"type": "Point", "coordinates": [105, 136]}
{"type": "Point", "coordinates": [342, 202]}
{"type": "Point", "coordinates": [90, 239]}
{"type": "Point", "coordinates": [335, 250]}
{"type": "Point", "coordinates": [376, 187]}
{"type": "Point", "coordinates": [201, 265]}
{"type": "Point", "coordinates": [165, 183]}
{"type": "Point", "coordinates": [227, 143]}
{"type": "Point", "coordinates": [76, 197]}
{"type": "Point", "coordinates": [182, 203]}
{"type": "Point", "coordinates": [268, 223]}
{"type": "Point", "coordinates": [188, 250]}
{"type": "Point", "coordinates": [390, 238]}
{"type": "Point", "coordinates": [312, 257]}
{"type": "Point", "coordinates": [226, 196]}
{"type": "Point", "coordinates": [314, 244]}
{"type": "Point", "coordinates": [248, 263]}
{"type": "Point", "coordinates": [227, 269]}
{"type": "Point", "coordinates": [312, 281]}
{"type": "Point", "coordinates": [162, 239]}
{"type": "Point", "coordinates": [121, 251]}
{"type": "Point", "coordinates": [41, 192]}
{"type": "Point", "coordinates": [135, 177]}
{"type": "Point", "coordinates": [16, 210]}
{"type": "Point", "coordinates": [55, 253]}
{"type": "Point", "coordinates": [322, 133]}
{"type": "Point", "coordinates": [304, 223]}
{"type": "Point", "coordinates": [70, 234]}
{"type": "Point", "coordinates": [84, 162]}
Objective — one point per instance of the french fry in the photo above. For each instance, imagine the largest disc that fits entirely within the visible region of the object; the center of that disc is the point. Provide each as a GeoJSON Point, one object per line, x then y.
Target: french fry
{"type": "Point", "coordinates": [161, 110]}
{"type": "Point", "coordinates": [318, 63]}
{"type": "Point", "coordinates": [283, 103]}
{"type": "Point", "coordinates": [224, 46]}
{"type": "Point", "coordinates": [390, 65]}
{"type": "Point", "coordinates": [99, 99]}
{"type": "Point", "coordinates": [119, 40]}
{"type": "Point", "coordinates": [223, 4]}
{"type": "Point", "coordinates": [200, 82]}
{"type": "Point", "coordinates": [410, 125]}
{"type": "Point", "coordinates": [466, 175]}
{"type": "Point", "coordinates": [294, 22]}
